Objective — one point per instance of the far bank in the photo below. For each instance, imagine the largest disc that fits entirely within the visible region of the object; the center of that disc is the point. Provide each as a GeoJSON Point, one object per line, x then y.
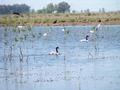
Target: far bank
{"type": "Point", "coordinates": [59, 19]}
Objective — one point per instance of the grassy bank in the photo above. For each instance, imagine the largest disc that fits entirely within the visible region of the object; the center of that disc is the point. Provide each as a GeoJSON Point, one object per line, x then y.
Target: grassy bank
{"type": "Point", "coordinates": [60, 19]}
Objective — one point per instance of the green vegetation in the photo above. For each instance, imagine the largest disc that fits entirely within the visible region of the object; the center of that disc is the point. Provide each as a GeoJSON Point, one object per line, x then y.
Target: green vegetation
{"type": "Point", "coordinates": [60, 19]}
{"type": "Point", "coordinates": [61, 7]}
{"type": "Point", "coordinates": [9, 9]}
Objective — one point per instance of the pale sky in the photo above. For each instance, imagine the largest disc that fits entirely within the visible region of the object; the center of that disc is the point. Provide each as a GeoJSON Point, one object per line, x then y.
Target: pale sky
{"type": "Point", "coordinates": [93, 5]}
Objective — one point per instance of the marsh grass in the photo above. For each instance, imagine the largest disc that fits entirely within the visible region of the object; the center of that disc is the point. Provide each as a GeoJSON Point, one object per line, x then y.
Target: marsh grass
{"type": "Point", "coordinates": [107, 18]}
{"type": "Point", "coordinates": [13, 35]}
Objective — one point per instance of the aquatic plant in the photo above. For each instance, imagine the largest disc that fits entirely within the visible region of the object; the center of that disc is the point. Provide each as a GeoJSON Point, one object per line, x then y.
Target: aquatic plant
{"type": "Point", "coordinates": [15, 34]}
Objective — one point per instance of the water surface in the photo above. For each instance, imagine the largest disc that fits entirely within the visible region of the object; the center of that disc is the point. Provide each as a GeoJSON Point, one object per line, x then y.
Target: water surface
{"type": "Point", "coordinates": [92, 65]}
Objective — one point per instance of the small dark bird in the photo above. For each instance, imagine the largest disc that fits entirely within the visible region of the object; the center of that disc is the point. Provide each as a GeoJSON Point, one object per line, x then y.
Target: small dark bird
{"type": "Point", "coordinates": [16, 13]}
{"type": "Point", "coordinates": [55, 21]}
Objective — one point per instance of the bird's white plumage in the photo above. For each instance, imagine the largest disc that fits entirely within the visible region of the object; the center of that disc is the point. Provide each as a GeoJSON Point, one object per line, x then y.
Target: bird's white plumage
{"type": "Point", "coordinates": [98, 25]}
{"type": "Point", "coordinates": [20, 27]}
{"type": "Point", "coordinates": [63, 29]}
{"type": "Point", "coordinates": [84, 40]}
{"type": "Point", "coordinates": [53, 53]}
{"type": "Point", "coordinates": [45, 34]}
{"type": "Point", "coordinates": [92, 31]}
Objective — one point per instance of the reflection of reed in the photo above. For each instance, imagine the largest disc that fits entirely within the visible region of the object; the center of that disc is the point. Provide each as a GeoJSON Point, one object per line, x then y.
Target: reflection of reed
{"type": "Point", "coordinates": [79, 83]}
{"type": "Point", "coordinates": [96, 44]}
{"type": "Point", "coordinates": [10, 55]}
{"type": "Point", "coordinates": [15, 74]}
{"type": "Point", "coordinates": [64, 54]}
{"type": "Point", "coordinates": [21, 74]}
{"type": "Point", "coordinates": [65, 73]}
{"type": "Point", "coordinates": [27, 59]}
{"type": "Point", "coordinates": [21, 54]}
{"type": "Point", "coordinates": [6, 74]}
{"type": "Point", "coordinates": [94, 76]}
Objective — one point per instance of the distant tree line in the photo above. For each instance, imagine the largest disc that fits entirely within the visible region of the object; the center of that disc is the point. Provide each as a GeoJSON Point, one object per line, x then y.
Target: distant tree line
{"type": "Point", "coordinates": [61, 7]}
{"type": "Point", "coordinates": [9, 9]}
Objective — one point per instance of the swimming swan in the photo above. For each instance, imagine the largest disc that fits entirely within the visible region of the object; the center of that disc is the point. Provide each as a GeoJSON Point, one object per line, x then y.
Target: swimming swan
{"type": "Point", "coordinates": [55, 52]}
{"type": "Point", "coordinates": [86, 39]}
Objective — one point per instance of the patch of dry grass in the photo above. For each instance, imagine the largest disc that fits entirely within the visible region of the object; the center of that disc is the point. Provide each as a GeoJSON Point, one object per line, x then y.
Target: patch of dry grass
{"type": "Point", "coordinates": [41, 19]}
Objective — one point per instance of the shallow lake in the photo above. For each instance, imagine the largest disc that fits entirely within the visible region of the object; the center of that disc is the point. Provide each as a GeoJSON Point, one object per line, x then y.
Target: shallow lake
{"type": "Point", "coordinates": [25, 63]}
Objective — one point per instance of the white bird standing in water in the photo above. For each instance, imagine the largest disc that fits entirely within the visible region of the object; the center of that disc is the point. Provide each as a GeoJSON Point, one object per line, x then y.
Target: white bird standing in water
{"type": "Point", "coordinates": [45, 34]}
{"type": "Point", "coordinates": [20, 27]}
{"type": "Point", "coordinates": [56, 52]}
{"type": "Point", "coordinates": [95, 28]}
{"type": "Point", "coordinates": [98, 26]}
{"type": "Point", "coordinates": [92, 31]}
{"type": "Point", "coordinates": [63, 29]}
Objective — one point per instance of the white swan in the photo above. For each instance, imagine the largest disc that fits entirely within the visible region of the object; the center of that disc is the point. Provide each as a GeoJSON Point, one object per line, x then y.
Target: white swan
{"type": "Point", "coordinates": [55, 52]}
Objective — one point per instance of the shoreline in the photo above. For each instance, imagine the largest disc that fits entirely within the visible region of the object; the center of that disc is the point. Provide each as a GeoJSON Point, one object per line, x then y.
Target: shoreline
{"type": "Point", "coordinates": [73, 24]}
{"type": "Point", "coordinates": [66, 24]}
